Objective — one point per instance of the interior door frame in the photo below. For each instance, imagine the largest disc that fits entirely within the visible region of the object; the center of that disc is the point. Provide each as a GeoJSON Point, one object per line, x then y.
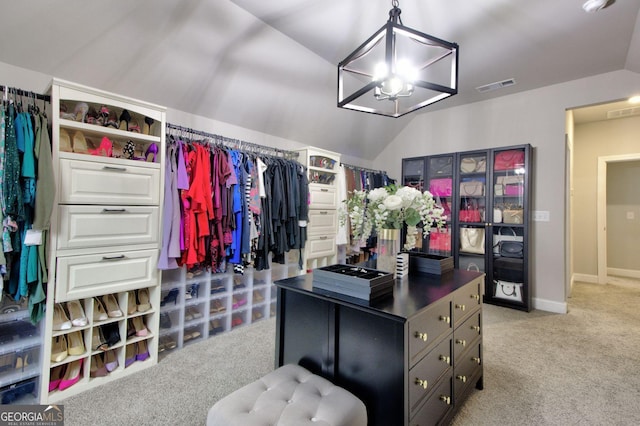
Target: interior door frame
{"type": "Point", "coordinates": [601, 215]}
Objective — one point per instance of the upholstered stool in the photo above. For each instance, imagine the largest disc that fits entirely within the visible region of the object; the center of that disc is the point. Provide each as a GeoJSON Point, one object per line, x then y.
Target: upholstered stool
{"type": "Point", "coordinates": [289, 396]}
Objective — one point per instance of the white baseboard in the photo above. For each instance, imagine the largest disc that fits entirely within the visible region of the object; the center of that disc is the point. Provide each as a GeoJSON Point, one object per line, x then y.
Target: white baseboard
{"type": "Point", "coordinates": [549, 306]}
{"type": "Point", "coordinates": [585, 278]}
{"type": "Point", "coordinates": [629, 273]}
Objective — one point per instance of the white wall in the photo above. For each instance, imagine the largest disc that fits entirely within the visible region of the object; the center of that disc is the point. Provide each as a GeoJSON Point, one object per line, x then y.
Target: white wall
{"type": "Point", "coordinates": [536, 117]}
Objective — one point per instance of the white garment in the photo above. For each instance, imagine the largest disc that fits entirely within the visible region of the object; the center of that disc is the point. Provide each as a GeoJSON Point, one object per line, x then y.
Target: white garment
{"type": "Point", "coordinates": [261, 169]}
{"type": "Point", "coordinates": [341, 188]}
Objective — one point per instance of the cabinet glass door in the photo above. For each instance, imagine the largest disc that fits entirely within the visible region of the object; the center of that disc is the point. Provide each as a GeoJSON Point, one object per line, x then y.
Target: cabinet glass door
{"type": "Point", "coordinates": [509, 175]}
{"type": "Point", "coordinates": [440, 185]}
{"type": "Point", "coordinates": [472, 203]}
{"type": "Point", "coordinates": [322, 169]}
{"type": "Point", "coordinates": [413, 173]}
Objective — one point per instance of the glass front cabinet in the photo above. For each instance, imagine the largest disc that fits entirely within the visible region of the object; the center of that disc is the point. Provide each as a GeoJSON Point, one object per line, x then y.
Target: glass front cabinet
{"type": "Point", "coordinates": [485, 195]}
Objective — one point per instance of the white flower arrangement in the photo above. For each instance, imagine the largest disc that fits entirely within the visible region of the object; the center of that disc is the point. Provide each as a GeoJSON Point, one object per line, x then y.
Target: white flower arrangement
{"type": "Point", "coordinates": [390, 208]}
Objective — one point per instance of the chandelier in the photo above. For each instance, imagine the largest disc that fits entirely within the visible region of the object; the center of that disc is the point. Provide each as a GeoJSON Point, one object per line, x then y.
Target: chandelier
{"type": "Point", "coordinates": [397, 70]}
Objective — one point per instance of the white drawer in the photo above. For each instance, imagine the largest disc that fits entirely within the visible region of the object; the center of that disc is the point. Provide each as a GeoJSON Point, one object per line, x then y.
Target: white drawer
{"type": "Point", "coordinates": [101, 226]}
{"type": "Point", "coordinates": [79, 277]}
{"type": "Point", "coordinates": [88, 182]}
{"type": "Point", "coordinates": [320, 246]}
{"type": "Point", "coordinates": [322, 222]}
{"type": "Point", "coordinates": [322, 196]}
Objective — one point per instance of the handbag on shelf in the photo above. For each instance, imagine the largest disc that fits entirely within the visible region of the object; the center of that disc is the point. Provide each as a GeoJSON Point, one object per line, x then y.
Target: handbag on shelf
{"type": "Point", "coordinates": [513, 190]}
{"type": "Point", "coordinates": [472, 188]}
{"type": "Point", "coordinates": [498, 190]}
{"type": "Point", "coordinates": [513, 215]}
{"type": "Point", "coordinates": [468, 165]}
{"type": "Point", "coordinates": [510, 180]}
{"type": "Point", "coordinates": [441, 166]}
{"type": "Point", "coordinates": [511, 249]}
{"type": "Point", "coordinates": [501, 237]}
{"type": "Point", "coordinates": [441, 187]}
{"type": "Point", "coordinates": [497, 215]}
{"type": "Point", "coordinates": [439, 241]}
{"type": "Point", "coordinates": [509, 160]}
{"type": "Point", "coordinates": [470, 213]}
{"type": "Point", "coordinates": [507, 290]}
{"type": "Point", "coordinates": [472, 240]}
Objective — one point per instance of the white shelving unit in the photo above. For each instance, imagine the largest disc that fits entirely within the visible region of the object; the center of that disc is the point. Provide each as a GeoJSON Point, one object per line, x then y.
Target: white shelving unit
{"type": "Point", "coordinates": [105, 230]}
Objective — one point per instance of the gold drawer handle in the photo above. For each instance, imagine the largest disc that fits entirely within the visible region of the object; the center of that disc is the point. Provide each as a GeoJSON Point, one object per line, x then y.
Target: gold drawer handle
{"type": "Point", "coordinates": [422, 383]}
{"type": "Point", "coordinates": [421, 336]}
{"type": "Point", "coordinates": [445, 319]}
{"type": "Point", "coordinates": [476, 328]}
{"type": "Point", "coordinates": [475, 296]}
{"type": "Point", "coordinates": [461, 342]}
{"type": "Point", "coordinates": [446, 399]}
{"type": "Point", "coordinates": [476, 360]}
{"type": "Point", "coordinates": [461, 307]}
{"type": "Point", "coordinates": [462, 378]}
{"type": "Point", "coordinates": [445, 359]}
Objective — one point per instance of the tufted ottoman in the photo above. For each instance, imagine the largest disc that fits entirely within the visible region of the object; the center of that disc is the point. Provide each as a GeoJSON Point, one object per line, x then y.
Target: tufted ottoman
{"type": "Point", "coordinates": [289, 396]}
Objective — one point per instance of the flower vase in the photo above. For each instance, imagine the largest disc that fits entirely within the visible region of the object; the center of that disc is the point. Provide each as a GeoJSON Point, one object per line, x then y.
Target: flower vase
{"type": "Point", "coordinates": [388, 248]}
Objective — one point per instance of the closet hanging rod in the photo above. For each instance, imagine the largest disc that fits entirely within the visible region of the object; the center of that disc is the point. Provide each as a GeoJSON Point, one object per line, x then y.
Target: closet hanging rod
{"type": "Point", "coordinates": [19, 92]}
{"type": "Point", "coordinates": [235, 143]}
{"type": "Point", "coordinates": [364, 169]}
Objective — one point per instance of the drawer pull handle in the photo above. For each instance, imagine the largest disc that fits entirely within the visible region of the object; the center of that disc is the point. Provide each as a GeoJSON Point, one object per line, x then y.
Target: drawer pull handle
{"type": "Point", "coordinates": [324, 190]}
{"type": "Point", "coordinates": [422, 383]}
{"type": "Point", "coordinates": [446, 399]}
{"type": "Point", "coordinates": [445, 319]}
{"type": "Point", "coordinates": [324, 212]}
{"type": "Point", "coordinates": [115, 169]}
{"type": "Point", "coordinates": [476, 328]}
{"type": "Point", "coordinates": [476, 359]}
{"type": "Point", "coordinates": [324, 237]}
{"type": "Point", "coordinates": [462, 378]}
{"type": "Point", "coordinates": [112, 258]}
{"type": "Point", "coordinates": [421, 336]}
{"type": "Point", "coordinates": [461, 307]}
{"type": "Point", "coordinates": [475, 296]}
{"type": "Point", "coordinates": [114, 210]}
{"type": "Point", "coordinates": [461, 342]}
{"type": "Point", "coordinates": [446, 359]}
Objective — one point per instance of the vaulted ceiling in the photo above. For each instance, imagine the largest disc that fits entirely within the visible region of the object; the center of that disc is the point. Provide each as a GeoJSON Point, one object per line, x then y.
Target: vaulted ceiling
{"type": "Point", "coordinates": [270, 66]}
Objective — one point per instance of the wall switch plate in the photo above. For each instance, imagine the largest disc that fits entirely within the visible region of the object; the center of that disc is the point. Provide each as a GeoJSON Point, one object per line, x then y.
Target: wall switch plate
{"type": "Point", "coordinates": [541, 216]}
{"type": "Point", "coordinates": [631, 215]}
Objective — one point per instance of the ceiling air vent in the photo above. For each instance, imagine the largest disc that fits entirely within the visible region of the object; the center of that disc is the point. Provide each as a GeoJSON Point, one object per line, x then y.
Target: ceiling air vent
{"type": "Point", "coordinates": [625, 112]}
{"type": "Point", "coordinates": [497, 85]}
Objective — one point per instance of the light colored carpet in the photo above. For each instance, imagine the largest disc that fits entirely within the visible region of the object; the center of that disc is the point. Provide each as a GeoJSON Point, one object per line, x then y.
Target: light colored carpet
{"type": "Point", "coordinates": [539, 369]}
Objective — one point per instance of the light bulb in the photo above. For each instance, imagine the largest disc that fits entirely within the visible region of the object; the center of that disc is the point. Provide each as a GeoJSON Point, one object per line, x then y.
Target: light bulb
{"type": "Point", "coordinates": [406, 70]}
{"type": "Point", "coordinates": [634, 99]}
{"type": "Point", "coordinates": [380, 72]}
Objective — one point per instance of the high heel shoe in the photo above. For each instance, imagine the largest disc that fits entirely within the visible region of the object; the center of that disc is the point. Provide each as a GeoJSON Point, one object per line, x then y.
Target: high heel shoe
{"type": "Point", "coordinates": [110, 360]}
{"type": "Point", "coordinates": [22, 360]}
{"type": "Point", "coordinates": [104, 114]}
{"type": "Point", "coordinates": [99, 311]}
{"type": "Point", "coordinates": [132, 306]}
{"type": "Point", "coordinates": [93, 117]}
{"type": "Point", "coordinates": [59, 348]}
{"type": "Point", "coordinates": [133, 126]}
{"type": "Point", "coordinates": [72, 375]}
{"type": "Point", "coordinates": [80, 111]}
{"type": "Point", "coordinates": [111, 304]}
{"type": "Point", "coordinates": [195, 290]}
{"type": "Point", "coordinates": [142, 351]}
{"type": "Point", "coordinates": [143, 300]}
{"type": "Point", "coordinates": [125, 117]}
{"type": "Point", "coordinates": [172, 296]}
{"type": "Point", "coordinates": [140, 328]}
{"type": "Point", "coordinates": [97, 369]}
{"type": "Point", "coordinates": [130, 355]}
{"type": "Point", "coordinates": [98, 342]}
{"type": "Point", "coordinates": [129, 150]}
{"type": "Point", "coordinates": [146, 128]}
{"type": "Point", "coordinates": [151, 153]}
{"type": "Point", "coordinates": [79, 143]}
{"type": "Point", "coordinates": [105, 149]}
{"type": "Point", "coordinates": [78, 318]}
{"type": "Point", "coordinates": [65, 114]}
{"type": "Point", "coordinates": [112, 120]}
{"type": "Point", "coordinates": [60, 318]}
{"type": "Point", "coordinates": [75, 343]}
{"type": "Point", "coordinates": [64, 141]}
{"type": "Point", "coordinates": [55, 376]}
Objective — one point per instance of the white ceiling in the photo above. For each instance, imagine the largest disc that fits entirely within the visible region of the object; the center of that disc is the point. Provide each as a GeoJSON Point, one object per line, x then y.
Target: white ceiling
{"type": "Point", "coordinates": [270, 66]}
